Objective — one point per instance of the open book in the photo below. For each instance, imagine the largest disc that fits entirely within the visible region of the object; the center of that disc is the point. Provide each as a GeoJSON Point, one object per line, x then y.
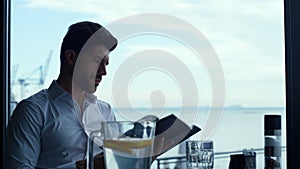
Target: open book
{"type": "Point", "coordinates": [170, 131]}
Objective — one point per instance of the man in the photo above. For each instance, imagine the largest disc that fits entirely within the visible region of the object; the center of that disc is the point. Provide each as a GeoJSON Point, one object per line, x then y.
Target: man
{"type": "Point", "coordinates": [47, 130]}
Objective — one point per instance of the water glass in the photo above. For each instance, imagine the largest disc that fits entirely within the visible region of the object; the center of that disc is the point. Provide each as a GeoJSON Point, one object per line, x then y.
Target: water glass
{"type": "Point", "coordinates": [126, 144]}
{"type": "Point", "coordinates": [199, 154]}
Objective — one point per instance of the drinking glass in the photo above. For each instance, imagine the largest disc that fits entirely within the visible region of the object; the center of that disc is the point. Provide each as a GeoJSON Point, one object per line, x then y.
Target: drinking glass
{"type": "Point", "coordinates": [126, 144]}
{"type": "Point", "coordinates": [199, 154]}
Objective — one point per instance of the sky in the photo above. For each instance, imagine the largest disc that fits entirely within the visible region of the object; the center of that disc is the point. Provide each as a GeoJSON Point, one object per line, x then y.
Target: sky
{"type": "Point", "coordinates": [246, 36]}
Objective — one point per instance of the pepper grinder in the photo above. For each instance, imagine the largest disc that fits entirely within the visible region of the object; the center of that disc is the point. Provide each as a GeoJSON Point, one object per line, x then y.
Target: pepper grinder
{"type": "Point", "coordinates": [272, 136]}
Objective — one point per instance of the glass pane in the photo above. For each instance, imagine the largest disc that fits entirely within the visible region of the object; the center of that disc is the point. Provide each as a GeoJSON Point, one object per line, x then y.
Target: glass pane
{"type": "Point", "coordinates": [178, 49]}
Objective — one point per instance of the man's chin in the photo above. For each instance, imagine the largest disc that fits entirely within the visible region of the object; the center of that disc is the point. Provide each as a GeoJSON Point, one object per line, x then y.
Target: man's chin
{"type": "Point", "coordinates": [92, 90]}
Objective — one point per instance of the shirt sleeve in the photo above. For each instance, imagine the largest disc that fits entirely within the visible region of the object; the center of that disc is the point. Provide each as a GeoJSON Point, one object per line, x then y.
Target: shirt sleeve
{"type": "Point", "coordinates": [23, 137]}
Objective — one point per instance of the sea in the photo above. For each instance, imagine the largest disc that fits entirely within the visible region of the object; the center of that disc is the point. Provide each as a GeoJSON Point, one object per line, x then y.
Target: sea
{"type": "Point", "coordinates": [232, 129]}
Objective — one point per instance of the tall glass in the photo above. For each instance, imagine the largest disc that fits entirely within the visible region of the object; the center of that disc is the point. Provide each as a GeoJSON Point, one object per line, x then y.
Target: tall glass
{"type": "Point", "coordinates": [199, 154]}
{"type": "Point", "coordinates": [126, 144]}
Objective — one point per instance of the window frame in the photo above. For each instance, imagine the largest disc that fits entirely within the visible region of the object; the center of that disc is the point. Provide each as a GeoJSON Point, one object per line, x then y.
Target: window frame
{"type": "Point", "coordinates": [5, 78]}
{"type": "Point", "coordinates": [292, 59]}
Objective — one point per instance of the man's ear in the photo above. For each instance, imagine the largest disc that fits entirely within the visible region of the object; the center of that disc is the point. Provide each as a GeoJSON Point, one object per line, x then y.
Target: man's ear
{"type": "Point", "coordinates": [70, 57]}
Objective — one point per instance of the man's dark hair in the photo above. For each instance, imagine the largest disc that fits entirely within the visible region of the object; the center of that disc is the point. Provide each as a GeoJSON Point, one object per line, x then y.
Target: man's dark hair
{"type": "Point", "coordinates": [79, 33]}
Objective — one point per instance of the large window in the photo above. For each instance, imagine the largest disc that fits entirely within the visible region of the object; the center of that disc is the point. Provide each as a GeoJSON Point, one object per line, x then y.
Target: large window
{"type": "Point", "coordinates": [246, 37]}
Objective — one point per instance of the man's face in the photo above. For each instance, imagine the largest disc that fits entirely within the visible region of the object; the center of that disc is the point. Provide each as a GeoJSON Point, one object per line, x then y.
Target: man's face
{"type": "Point", "coordinates": [90, 67]}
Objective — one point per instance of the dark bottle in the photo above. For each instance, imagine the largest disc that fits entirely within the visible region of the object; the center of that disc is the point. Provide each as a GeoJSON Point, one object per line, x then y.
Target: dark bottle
{"type": "Point", "coordinates": [272, 134]}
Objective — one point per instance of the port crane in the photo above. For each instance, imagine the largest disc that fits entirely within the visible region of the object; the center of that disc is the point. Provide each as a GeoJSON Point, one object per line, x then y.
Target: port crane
{"type": "Point", "coordinates": [36, 77]}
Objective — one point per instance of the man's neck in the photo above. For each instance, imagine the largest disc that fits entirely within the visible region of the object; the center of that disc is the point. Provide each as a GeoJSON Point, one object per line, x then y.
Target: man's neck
{"type": "Point", "coordinates": [73, 89]}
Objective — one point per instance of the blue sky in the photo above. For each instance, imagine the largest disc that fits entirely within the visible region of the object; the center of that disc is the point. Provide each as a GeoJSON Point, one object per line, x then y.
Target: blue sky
{"type": "Point", "coordinates": [246, 35]}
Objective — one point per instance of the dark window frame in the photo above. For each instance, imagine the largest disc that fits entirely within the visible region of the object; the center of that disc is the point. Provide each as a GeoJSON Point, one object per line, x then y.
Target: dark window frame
{"type": "Point", "coordinates": [292, 63]}
{"type": "Point", "coordinates": [5, 73]}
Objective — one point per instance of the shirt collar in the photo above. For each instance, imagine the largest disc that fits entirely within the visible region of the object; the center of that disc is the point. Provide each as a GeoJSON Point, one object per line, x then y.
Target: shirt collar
{"type": "Point", "coordinates": [91, 98]}
{"type": "Point", "coordinates": [56, 91]}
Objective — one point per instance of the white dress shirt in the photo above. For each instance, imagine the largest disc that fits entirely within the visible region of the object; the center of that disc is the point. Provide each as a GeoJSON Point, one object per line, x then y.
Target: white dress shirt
{"type": "Point", "coordinates": [48, 129]}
